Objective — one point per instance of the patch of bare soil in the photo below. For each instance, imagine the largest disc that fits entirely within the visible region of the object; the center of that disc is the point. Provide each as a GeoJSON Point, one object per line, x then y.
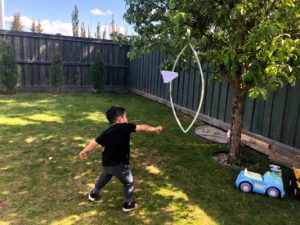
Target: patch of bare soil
{"type": "Point", "coordinates": [222, 159]}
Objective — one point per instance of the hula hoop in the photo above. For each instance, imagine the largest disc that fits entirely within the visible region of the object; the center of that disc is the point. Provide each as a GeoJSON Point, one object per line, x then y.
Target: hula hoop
{"type": "Point", "coordinates": [202, 90]}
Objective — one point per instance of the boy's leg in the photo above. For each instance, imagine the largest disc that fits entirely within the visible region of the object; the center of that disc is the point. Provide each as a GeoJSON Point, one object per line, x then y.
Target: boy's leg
{"type": "Point", "coordinates": [103, 179]}
{"type": "Point", "coordinates": [123, 173]}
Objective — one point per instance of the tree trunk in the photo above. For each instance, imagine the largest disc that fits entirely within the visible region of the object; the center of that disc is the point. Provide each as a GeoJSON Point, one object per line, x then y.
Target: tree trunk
{"type": "Point", "coordinates": [236, 124]}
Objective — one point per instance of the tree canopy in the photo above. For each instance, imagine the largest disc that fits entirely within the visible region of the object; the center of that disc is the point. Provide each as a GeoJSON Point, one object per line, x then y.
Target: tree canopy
{"type": "Point", "coordinates": [253, 44]}
{"type": "Point", "coordinates": [258, 39]}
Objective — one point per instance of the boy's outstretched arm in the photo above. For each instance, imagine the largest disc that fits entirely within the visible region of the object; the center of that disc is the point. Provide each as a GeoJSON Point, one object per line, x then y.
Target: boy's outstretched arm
{"type": "Point", "coordinates": [91, 146]}
{"type": "Point", "coordinates": [147, 128]}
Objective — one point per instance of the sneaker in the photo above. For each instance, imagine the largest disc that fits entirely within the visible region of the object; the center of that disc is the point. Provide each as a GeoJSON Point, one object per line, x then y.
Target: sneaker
{"type": "Point", "coordinates": [127, 207]}
{"type": "Point", "coordinates": [93, 196]}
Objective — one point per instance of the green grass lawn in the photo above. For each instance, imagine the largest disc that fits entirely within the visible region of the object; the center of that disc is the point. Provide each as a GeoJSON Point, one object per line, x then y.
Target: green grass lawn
{"type": "Point", "coordinates": [43, 181]}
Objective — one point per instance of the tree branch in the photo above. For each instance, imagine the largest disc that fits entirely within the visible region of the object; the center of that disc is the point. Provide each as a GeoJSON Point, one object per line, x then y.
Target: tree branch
{"type": "Point", "coordinates": [271, 7]}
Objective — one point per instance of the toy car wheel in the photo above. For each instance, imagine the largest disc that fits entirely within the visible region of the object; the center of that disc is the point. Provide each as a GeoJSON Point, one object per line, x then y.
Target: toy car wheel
{"type": "Point", "coordinates": [245, 187]}
{"type": "Point", "coordinates": [273, 192]}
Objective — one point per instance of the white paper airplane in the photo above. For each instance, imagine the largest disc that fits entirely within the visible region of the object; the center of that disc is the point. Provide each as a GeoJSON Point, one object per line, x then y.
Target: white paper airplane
{"type": "Point", "coordinates": [168, 76]}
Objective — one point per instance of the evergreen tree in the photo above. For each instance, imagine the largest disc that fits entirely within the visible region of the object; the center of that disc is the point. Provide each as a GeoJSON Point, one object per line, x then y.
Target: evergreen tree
{"type": "Point", "coordinates": [89, 34]}
{"type": "Point", "coordinates": [8, 67]}
{"type": "Point", "coordinates": [104, 33]}
{"type": "Point", "coordinates": [82, 30]}
{"type": "Point", "coordinates": [16, 24]}
{"type": "Point", "coordinates": [39, 28]}
{"type": "Point", "coordinates": [33, 28]}
{"type": "Point", "coordinates": [56, 71]}
{"type": "Point", "coordinates": [98, 73]}
{"type": "Point", "coordinates": [98, 35]}
{"type": "Point", "coordinates": [75, 22]}
{"type": "Point", "coordinates": [113, 26]}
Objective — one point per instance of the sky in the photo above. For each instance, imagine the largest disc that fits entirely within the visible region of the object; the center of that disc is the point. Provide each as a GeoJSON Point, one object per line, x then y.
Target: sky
{"type": "Point", "coordinates": [56, 15]}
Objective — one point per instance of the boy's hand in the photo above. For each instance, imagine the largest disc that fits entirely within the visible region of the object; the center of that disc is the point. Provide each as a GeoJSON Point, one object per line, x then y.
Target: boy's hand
{"type": "Point", "coordinates": [83, 155]}
{"type": "Point", "coordinates": [158, 129]}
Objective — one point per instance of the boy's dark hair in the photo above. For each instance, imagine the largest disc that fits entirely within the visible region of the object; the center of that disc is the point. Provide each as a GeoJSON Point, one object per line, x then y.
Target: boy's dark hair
{"type": "Point", "coordinates": [114, 112]}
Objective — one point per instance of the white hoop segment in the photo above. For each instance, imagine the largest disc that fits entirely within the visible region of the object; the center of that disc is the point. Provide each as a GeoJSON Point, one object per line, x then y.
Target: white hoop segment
{"type": "Point", "coordinates": [202, 90]}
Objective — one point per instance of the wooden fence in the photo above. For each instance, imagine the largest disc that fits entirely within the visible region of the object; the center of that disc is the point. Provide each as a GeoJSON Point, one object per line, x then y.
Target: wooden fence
{"type": "Point", "coordinates": [278, 118]}
{"type": "Point", "coordinates": [34, 56]}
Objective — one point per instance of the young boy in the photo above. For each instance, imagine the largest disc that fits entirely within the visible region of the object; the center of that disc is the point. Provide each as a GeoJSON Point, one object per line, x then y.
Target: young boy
{"type": "Point", "coordinates": [116, 153]}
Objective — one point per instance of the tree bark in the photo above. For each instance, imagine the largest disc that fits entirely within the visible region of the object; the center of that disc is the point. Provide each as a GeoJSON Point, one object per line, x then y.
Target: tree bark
{"type": "Point", "coordinates": [236, 124]}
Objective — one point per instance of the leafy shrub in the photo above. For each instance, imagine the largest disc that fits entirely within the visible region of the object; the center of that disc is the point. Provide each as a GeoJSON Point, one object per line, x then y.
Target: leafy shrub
{"type": "Point", "coordinates": [56, 71]}
{"type": "Point", "coordinates": [98, 73]}
{"type": "Point", "coordinates": [8, 67]}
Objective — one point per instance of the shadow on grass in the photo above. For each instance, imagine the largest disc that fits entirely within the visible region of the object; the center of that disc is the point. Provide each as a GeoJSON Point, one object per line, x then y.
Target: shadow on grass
{"type": "Point", "coordinates": [42, 180]}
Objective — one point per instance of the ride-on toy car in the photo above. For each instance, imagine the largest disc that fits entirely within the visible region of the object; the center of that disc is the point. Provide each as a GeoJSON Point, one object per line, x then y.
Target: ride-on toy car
{"type": "Point", "coordinates": [294, 182]}
{"type": "Point", "coordinates": [269, 184]}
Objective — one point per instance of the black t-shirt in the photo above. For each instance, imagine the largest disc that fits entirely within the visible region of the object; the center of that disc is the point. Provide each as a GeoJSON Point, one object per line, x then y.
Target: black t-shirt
{"type": "Point", "coordinates": [116, 143]}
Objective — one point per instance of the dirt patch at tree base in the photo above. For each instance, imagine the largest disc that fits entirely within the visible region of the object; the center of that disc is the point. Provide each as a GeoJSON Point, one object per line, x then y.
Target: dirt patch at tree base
{"type": "Point", "coordinates": [222, 159]}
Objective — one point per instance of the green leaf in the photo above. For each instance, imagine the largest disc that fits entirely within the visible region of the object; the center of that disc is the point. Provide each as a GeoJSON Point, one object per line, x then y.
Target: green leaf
{"type": "Point", "coordinates": [258, 92]}
{"type": "Point", "coordinates": [292, 80]}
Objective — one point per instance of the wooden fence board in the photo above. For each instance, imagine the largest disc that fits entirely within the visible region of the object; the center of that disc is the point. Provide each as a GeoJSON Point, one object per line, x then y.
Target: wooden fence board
{"type": "Point", "coordinates": [185, 89]}
{"type": "Point", "coordinates": [151, 72]}
{"type": "Point", "coordinates": [223, 100]}
{"type": "Point", "coordinates": [229, 105]}
{"type": "Point", "coordinates": [159, 58]}
{"type": "Point", "coordinates": [267, 116]}
{"type": "Point", "coordinates": [297, 132]}
{"type": "Point", "coordinates": [215, 100]}
{"type": "Point", "coordinates": [291, 111]}
{"type": "Point", "coordinates": [191, 87]}
{"type": "Point", "coordinates": [257, 122]}
{"type": "Point", "coordinates": [248, 113]}
{"type": "Point", "coordinates": [208, 96]}
{"type": "Point", "coordinates": [278, 114]}
{"type": "Point", "coordinates": [197, 89]}
{"type": "Point", "coordinates": [159, 80]}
